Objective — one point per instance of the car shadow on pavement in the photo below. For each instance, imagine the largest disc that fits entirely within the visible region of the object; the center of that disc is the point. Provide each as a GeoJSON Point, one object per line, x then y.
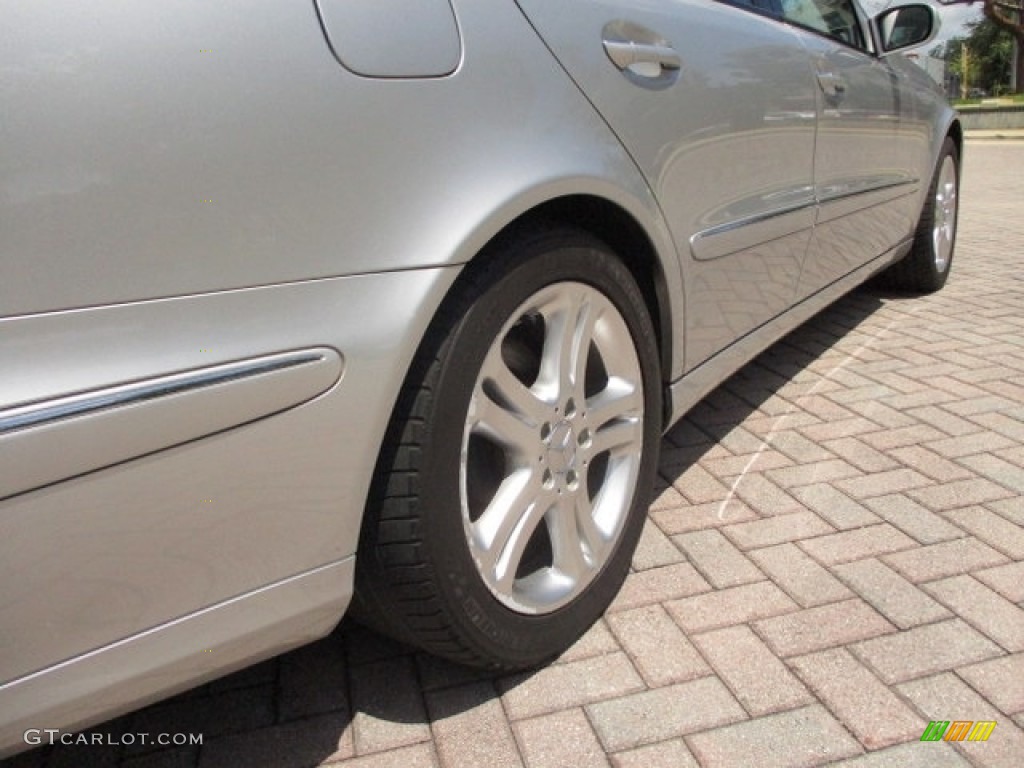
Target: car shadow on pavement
{"type": "Point", "coordinates": [357, 693]}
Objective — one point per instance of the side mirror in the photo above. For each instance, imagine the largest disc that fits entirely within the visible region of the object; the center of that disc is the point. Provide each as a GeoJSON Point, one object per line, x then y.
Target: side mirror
{"type": "Point", "coordinates": [906, 26]}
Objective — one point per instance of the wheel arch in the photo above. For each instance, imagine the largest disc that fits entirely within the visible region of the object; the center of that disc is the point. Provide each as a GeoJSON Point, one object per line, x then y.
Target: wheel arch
{"type": "Point", "coordinates": [956, 133]}
{"type": "Point", "coordinates": [621, 231]}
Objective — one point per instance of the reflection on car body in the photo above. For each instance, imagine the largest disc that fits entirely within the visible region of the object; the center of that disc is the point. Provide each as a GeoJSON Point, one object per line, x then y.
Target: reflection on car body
{"type": "Point", "coordinates": [384, 306]}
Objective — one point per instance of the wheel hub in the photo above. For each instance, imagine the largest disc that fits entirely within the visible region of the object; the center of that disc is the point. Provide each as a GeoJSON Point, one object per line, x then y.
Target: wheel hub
{"type": "Point", "coordinates": [560, 449]}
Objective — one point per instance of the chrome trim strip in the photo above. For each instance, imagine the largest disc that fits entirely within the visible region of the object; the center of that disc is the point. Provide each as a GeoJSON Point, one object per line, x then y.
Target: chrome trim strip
{"type": "Point", "coordinates": [823, 199]}
{"type": "Point", "coordinates": [736, 236]}
{"type": "Point", "coordinates": [721, 229]}
{"type": "Point", "coordinates": [72, 406]}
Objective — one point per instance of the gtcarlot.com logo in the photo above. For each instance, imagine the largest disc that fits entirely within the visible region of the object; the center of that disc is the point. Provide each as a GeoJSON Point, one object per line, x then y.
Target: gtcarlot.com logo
{"type": "Point", "coordinates": [958, 730]}
{"type": "Point", "coordinates": [37, 737]}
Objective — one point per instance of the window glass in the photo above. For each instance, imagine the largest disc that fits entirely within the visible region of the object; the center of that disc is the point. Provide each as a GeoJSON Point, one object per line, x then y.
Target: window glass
{"type": "Point", "coordinates": [835, 18]}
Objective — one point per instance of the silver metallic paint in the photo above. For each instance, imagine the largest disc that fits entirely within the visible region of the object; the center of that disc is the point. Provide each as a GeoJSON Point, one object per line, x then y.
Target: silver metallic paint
{"type": "Point", "coordinates": [188, 184]}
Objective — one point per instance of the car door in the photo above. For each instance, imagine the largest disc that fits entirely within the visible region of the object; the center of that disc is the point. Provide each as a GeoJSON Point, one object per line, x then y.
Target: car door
{"type": "Point", "coordinates": [716, 105]}
{"type": "Point", "coordinates": [867, 156]}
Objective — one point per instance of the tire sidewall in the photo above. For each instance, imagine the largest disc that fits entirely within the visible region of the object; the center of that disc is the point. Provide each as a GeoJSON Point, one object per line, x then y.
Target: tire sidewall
{"type": "Point", "coordinates": [494, 629]}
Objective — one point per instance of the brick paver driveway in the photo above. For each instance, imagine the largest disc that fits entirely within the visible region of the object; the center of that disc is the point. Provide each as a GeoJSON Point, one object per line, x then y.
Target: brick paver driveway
{"type": "Point", "coordinates": [835, 558]}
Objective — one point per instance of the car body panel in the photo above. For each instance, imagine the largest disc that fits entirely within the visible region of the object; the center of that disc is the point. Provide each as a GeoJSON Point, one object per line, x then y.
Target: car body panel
{"type": "Point", "coordinates": [159, 187]}
{"type": "Point", "coordinates": [123, 549]}
{"type": "Point", "coordinates": [726, 144]}
{"type": "Point", "coordinates": [192, 192]}
{"type": "Point", "coordinates": [868, 163]}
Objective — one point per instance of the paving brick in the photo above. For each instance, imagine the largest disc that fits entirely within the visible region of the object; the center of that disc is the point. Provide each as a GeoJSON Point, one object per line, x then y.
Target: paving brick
{"type": "Point", "coordinates": [1002, 423]}
{"type": "Point", "coordinates": [931, 464]}
{"type": "Point", "coordinates": [842, 429]}
{"type": "Point", "coordinates": [596, 641]}
{"type": "Point", "coordinates": [753, 673]}
{"type": "Point", "coordinates": [824, 408]}
{"type": "Point", "coordinates": [776, 530]}
{"type": "Point", "coordinates": [835, 507]}
{"type": "Point", "coordinates": [883, 415]}
{"type": "Point", "coordinates": [886, 440]}
{"type": "Point", "coordinates": [388, 706]}
{"type": "Point", "coordinates": [764, 496]}
{"type": "Point", "coordinates": [313, 680]}
{"type": "Point", "coordinates": [212, 716]}
{"type": "Point", "coordinates": [655, 549]}
{"type": "Point", "coordinates": [1012, 509]}
{"type": "Point", "coordinates": [1001, 681]}
{"type": "Point", "coordinates": [871, 392]}
{"type": "Point", "coordinates": [946, 697]}
{"type": "Point", "coordinates": [987, 611]}
{"type": "Point", "coordinates": [800, 576]}
{"type": "Point", "coordinates": [944, 420]}
{"type": "Point", "coordinates": [730, 466]}
{"type": "Point", "coordinates": [961, 493]}
{"type": "Point", "coordinates": [877, 717]}
{"type": "Point", "coordinates": [560, 740]}
{"type": "Point", "coordinates": [435, 672]}
{"type": "Point", "coordinates": [739, 442]}
{"type": "Point", "coordinates": [993, 529]}
{"type": "Point", "coordinates": [861, 455]}
{"type": "Point", "coordinates": [913, 519]}
{"type": "Point", "coordinates": [686, 433]}
{"type": "Point", "coordinates": [729, 606]}
{"type": "Point", "coordinates": [856, 544]}
{"type": "Point", "coordinates": [363, 645]}
{"type": "Point", "coordinates": [797, 739]}
{"type": "Point", "coordinates": [979, 407]}
{"type": "Point", "coordinates": [809, 474]}
{"type": "Point", "coordinates": [419, 756]}
{"type": "Point", "coordinates": [568, 685]}
{"type": "Point", "coordinates": [659, 650]}
{"type": "Point", "coordinates": [901, 602]}
{"type": "Point", "coordinates": [770, 426]}
{"type": "Point", "coordinates": [299, 743]}
{"type": "Point", "coordinates": [909, 755]}
{"type": "Point", "coordinates": [627, 722]}
{"type": "Point", "coordinates": [469, 727]}
{"type": "Point", "coordinates": [881, 483]}
{"type": "Point", "coordinates": [798, 447]}
{"type": "Point", "coordinates": [925, 650]}
{"type": "Point", "coordinates": [1007, 580]}
{"type": "Point", "coordinates": [702, 516]}
{"type": "Point", "coordinates": [697, 484]}
{"type": "Point", "coordinates": [667, 754]}
{"type": "Point", "coordinates": [666, 497]}
{"type": "Point", "coordinates": [998, 470]}
{"type": "Point", "coordinates": [172, 758]}
{"type": "Point", "coordinates": [946, 559]}
{"type": "Point", "coordinates": [965, 445]}
{"type": "Point", "coordinates": [717, 559]}
{"type": "Point", "coordinates": [659, 584]}
{"type": "Point", "coordinates": [821, 627]}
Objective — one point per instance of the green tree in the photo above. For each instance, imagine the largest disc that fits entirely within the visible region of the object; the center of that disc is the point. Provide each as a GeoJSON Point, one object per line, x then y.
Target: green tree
{"type": "Point", "coordinates": [983, 58]}
{"type": "Point", "coordinates": [1007, 15]}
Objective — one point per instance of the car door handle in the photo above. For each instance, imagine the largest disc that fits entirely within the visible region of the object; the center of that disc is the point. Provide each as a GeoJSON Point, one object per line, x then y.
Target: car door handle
{"type": "Point", "coordinates": [626, 54]}
{"type": "Point", "coordinates": [832, 84]}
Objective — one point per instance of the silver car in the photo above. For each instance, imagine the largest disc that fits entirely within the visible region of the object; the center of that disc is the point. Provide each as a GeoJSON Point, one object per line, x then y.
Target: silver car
{"type": "Point", "coordinates": [305, 304]}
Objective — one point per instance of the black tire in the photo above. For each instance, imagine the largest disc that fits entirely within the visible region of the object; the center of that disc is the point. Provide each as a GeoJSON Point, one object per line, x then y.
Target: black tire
{"type": "Point", "coordinates": [926, 268]}
{"type": "Point", "coordinates": [417, 578]}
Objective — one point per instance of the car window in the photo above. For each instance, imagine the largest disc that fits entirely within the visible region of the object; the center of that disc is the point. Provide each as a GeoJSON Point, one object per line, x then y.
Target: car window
{"type": "Point", "coordinates": [835, 18]}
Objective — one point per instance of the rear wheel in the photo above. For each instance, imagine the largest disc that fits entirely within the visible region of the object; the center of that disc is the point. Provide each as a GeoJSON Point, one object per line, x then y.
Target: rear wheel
{"type": "Point", "coordinates": [509, 500]}
{"type": "Point", "coordinates": [926, 268]}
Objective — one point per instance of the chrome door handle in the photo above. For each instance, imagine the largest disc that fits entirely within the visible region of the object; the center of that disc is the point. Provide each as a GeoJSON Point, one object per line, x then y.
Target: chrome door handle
{"type": "Point", "coordinates": [627, 54]}
{"type": "Point", "coordinates": [832, 84]}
